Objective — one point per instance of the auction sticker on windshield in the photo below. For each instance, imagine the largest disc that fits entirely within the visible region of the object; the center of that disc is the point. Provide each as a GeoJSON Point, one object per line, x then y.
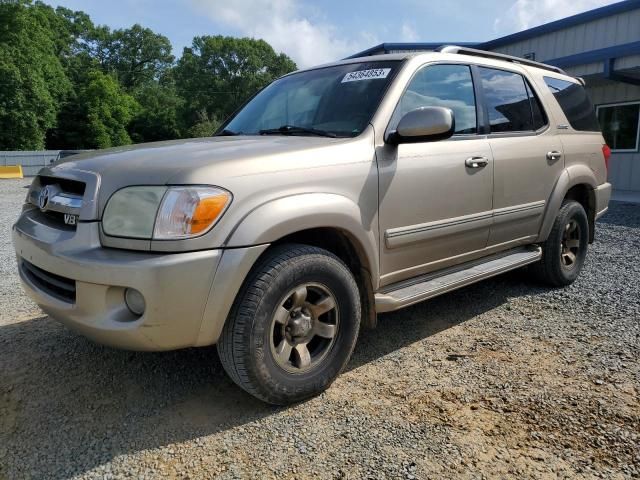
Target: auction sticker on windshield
{"type": "Point", "coordinates": [366, 75]}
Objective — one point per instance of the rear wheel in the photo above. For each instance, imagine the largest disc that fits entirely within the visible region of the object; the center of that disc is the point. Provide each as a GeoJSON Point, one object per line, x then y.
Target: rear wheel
{"type": "Point", "coordinates": [565, 250]}
{"type": "Point", "coordinates": [293, 326]}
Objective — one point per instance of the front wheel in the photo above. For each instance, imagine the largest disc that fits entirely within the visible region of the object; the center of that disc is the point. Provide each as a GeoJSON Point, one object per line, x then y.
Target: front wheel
{"type": "Point", "coordinates": [293, 326]}
{"type": "Point", "coordinates": [565, 250]}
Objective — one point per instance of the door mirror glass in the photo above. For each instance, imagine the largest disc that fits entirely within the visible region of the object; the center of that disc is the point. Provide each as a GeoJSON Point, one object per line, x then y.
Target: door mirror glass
{"type": "Point", "coordinates": [424, 124]}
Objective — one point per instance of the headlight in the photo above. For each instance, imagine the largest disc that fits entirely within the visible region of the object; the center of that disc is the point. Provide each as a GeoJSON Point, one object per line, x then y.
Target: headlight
{"type": "Point", "coordinates": [164, 213]}
{"type": "Point", "coordinates": [131, 212]}
{"type": "Point", "coordinates": [189, 211]}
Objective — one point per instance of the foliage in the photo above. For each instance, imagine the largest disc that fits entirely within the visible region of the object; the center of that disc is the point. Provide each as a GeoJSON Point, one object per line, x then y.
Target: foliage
{"type": "Point", "coordinates": [204, 126]}
{"type": "Point", "coordinates": [67, 83]}
{"type": "Point", "coordinates": [135, 55]}
{"type": "Point", "coordinates": [32, 78]}
{"type": "Point", "coordinates": [158, 117]}
{"type": "Point", "coordinates": [108, 111]}
{"type": "Point", "coordinates": [217, 74]}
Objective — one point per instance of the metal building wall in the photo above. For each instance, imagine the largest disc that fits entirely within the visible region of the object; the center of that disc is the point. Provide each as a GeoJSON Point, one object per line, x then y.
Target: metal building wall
{"type": "Point", "coordinates": [31, 162]}
{"type": "Point", "coordinates": [601, 33]}
{"type": "Point", "coordinates": [624, 167]}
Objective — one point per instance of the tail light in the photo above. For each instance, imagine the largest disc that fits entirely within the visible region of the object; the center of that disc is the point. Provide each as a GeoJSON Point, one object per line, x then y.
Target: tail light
{"type": "Point", "coordinates": [606, 153]}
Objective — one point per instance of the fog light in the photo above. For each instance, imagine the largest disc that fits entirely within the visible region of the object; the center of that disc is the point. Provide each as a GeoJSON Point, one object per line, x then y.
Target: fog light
{"type": "Point", "coordinates": [134, 300]}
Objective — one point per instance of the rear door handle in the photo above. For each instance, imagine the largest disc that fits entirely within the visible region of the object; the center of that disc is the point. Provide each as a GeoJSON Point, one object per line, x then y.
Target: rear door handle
{"type": "Point", "coordinates": [554, 155]}
{"type": "Point", "coordinates": [476, 162]}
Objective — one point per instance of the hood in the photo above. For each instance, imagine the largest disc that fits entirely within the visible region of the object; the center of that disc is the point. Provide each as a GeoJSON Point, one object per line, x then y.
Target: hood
{"type": "Point", "coordinates": [227, 162]}
{"type": "Point", "coordinates": [164, 162]}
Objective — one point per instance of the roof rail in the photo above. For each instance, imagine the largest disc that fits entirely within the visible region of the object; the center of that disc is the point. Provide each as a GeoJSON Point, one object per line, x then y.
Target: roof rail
{"type": "Point", "coordinates": [497, 56]}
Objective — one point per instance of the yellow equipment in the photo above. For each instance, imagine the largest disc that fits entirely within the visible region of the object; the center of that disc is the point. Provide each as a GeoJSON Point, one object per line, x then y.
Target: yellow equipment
{"type": "Point", "coordinates": [11, 171]}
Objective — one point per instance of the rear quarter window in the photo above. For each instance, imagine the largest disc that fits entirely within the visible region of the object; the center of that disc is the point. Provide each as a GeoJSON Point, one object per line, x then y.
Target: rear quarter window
{"type": "Point", "coordinates": [575, 103]}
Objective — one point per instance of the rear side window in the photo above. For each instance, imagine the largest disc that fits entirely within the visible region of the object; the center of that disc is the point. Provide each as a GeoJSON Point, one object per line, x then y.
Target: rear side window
{"type": "Point", "coordinates": [511, 104]}
{"type": "Point", "coordinates": [575, 104]}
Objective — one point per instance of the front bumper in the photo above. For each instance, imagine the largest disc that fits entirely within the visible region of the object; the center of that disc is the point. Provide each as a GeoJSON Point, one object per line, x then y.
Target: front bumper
{"type": "Point", "coordinates": [177, 287]}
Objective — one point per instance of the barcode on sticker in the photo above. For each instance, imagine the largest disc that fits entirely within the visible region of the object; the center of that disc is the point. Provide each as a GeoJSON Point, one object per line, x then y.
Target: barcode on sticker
{"type": "Point", "coordinates": [366, 75]}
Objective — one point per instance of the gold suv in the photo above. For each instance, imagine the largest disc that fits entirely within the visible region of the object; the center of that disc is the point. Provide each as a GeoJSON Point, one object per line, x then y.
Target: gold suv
{"type": "Point", "coordinates": [335, 193]}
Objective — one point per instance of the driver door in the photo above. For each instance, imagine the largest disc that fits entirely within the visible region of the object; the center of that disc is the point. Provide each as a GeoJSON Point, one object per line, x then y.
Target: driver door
{"type": "Point", "coordinates": [435, 209]}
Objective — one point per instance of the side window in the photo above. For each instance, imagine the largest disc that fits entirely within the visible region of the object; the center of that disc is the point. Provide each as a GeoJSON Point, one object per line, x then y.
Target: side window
{"type": "Point", "coordinates": [442, 86]}
{"type": "Point", "coordinates": [575, 104]}
{"type": "Point", "coordinates": [507, 99]}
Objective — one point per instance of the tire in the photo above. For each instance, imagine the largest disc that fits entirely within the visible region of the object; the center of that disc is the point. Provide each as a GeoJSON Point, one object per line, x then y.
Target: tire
{"type": "Point", "coordinates": [565, 250]}
{"type": "Point", "coordinates": [284, 303]}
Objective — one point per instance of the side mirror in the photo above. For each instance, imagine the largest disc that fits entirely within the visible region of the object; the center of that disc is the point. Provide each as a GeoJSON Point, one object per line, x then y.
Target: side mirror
{"type": "Point", "coordinates": [424, 124]}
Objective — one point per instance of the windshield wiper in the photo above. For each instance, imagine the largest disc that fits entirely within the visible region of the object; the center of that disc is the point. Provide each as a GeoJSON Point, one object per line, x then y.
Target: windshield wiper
{"type": "Point", "coordinates": [293, 129]}
{"type": "Point", "coordinates": [227, 133]}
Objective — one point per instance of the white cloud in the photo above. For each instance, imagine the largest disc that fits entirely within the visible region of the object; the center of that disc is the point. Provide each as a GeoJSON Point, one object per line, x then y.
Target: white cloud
{"type": "Point", "coordinates": [286, 26]}
{"type": "Point", "coordinates": [525, 14]}
{"type": "Point", "coordinates": [408, 33]}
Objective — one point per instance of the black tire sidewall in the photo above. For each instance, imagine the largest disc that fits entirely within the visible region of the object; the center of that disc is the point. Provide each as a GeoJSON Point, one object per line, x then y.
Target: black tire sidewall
{"type": "Point", "coordinates": [571, 211]}
{"type": "Point", "coordinates": [335, 276]}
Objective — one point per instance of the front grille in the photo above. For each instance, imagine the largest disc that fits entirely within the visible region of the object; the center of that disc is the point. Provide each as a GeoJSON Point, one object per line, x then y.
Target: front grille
{"type": "Point", "coordinates": [66, 185]}
{"type": "Point", "coordinates": [59, 287]}
{"type": "Point", "coordinates": [63, 200]}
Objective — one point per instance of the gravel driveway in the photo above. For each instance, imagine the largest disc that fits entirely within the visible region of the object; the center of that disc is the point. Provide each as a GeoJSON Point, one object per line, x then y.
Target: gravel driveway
{"type": "Point", "coordinates": [502, 379]}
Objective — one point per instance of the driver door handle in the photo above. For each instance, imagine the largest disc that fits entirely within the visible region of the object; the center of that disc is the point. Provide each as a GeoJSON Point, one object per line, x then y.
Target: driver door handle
{"type": "Point", "coordinates": [554, 155]}
{"type": "Point", "coordinates": [476, 162]}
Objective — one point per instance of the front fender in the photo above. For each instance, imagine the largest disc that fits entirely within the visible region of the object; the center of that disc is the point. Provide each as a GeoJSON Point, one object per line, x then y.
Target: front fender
{"type": "Point", "coordinates": [571, 176]}
{"type": "Point", "coordinates": [278, 218]}
{"type": "Point", "coordinates": [269, 222]}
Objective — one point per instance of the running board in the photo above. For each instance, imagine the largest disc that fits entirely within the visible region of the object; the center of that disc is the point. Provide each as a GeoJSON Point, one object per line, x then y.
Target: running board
{"type": "Point", "coordinates": [408, 292]}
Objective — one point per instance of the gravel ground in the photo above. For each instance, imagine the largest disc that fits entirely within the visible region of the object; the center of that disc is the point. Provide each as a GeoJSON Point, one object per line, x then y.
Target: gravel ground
{"type": "Point", "coordinates": [502, 379]}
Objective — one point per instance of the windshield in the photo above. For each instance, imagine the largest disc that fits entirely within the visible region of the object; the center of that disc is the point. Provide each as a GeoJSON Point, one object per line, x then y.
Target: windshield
{"type": "Point", "coordinates": [334, 101]}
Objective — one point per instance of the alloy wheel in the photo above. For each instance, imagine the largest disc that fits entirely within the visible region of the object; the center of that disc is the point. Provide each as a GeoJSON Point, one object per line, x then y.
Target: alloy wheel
{"type": "Point", "coordinates": [304, 328]}
{"type": "Point", "coordinates": [570, 245]}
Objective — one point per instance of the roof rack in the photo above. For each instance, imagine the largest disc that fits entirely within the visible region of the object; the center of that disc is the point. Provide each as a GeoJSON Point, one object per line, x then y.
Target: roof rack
{"type": "Point", "coordinates": [497, 56]}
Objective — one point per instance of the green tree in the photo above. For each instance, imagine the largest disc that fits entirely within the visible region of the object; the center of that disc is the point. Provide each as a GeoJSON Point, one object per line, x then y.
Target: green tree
{"type": "Point", "coordinates": [218, 73]}
{"type": "Point", "coordinates": [69, 29]}
{"type": "Point", "coordinates": [158, 117]}
{"type": "Point", "coordinates": [135, 55]}
{"type": "Point", "coordinates": [204, 126]}
{"type": "Point", "coordinates": [108, 111]}
{"type": "Point", "coordinates": [32, 79]}
{"type": "Point", "coordinates": [136, 58]}
{"type": "Point", "coordinates": [72, 84]}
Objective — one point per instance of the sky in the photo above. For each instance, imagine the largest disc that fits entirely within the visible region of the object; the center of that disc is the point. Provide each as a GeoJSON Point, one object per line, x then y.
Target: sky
{"type": "Point", "coordinates": [314, 32]}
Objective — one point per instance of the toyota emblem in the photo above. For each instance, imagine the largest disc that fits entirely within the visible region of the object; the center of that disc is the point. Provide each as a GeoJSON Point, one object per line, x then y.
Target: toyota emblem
{"type": "Point", "coordinates": [43, 198]}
